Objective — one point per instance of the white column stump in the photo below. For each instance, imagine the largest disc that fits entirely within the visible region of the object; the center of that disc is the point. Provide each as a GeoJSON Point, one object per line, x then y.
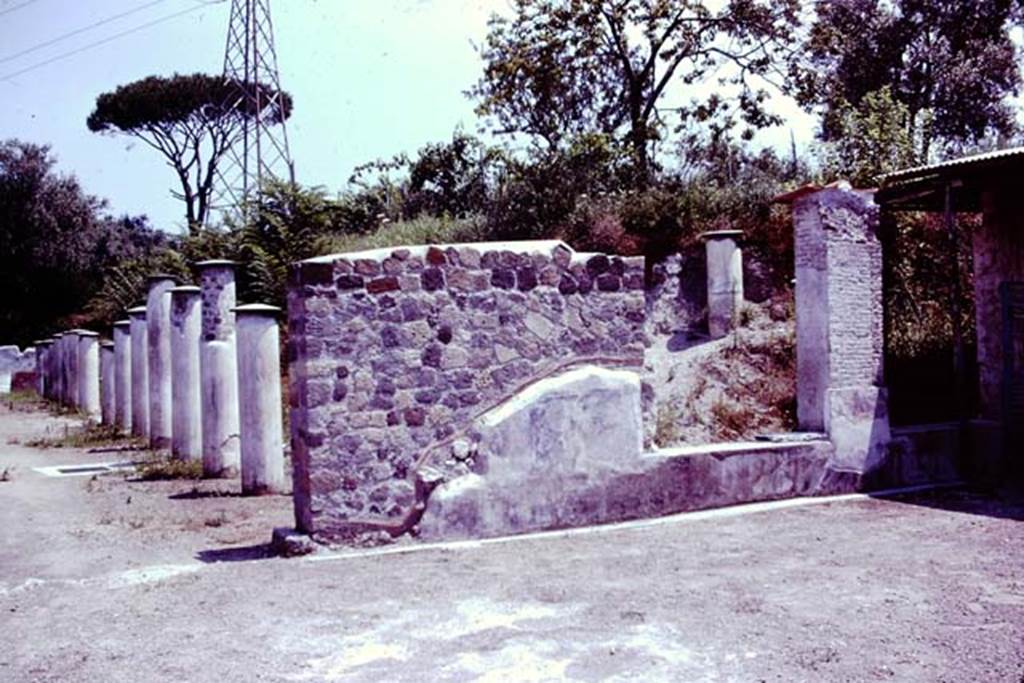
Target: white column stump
{"type": "Point", "coordinates": [158, 331]}
{"type": "Point", "coordinates": [88, 369]}
{"type": "Point", "coordinates": [140, 372]}
{"type": "Point", "coordinates": [42, 361]}
{"type": "Point", "coordinates": [725, 280]}
{"type": "Point", "coordinates": [108, 387]}
{"type": "Point", "coordinates": [123, 375]}
{"type": "Point", "coordinates": [71, 390]}
{"type": "Point", "coordinates": [259, 392]}
{"type": "Point", "coordinates": [186, 409]}
{"type": "Point", "coordinates": [40, 351]}
{"type": "Point", "coordinates": [218, 370]}
{"type": "Point", "coordinates": [57, 368]}
{"type": "Point", "coordinates": [47, 368]}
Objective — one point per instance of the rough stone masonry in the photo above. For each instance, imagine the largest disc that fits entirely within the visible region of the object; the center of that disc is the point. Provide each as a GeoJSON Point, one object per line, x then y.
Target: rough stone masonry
{"type": "Point", "coordinates": [395, 352]}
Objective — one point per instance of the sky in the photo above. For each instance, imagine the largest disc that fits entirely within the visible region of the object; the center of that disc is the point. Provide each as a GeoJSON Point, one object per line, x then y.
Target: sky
{"type": "Point", "coordinates": [370, 79]}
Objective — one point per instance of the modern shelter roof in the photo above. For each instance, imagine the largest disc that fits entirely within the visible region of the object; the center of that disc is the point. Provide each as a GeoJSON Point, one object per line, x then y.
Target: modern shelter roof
{"type": "Point", "coordinates": [923, 188]}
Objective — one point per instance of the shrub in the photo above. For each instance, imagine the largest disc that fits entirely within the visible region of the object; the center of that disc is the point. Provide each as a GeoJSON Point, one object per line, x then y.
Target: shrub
{"type": "Point", "coordinates": [422, 230]}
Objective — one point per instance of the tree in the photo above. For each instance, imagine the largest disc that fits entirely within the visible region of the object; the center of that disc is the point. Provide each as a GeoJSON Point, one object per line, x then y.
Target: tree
{"type": "Point", "coordinates": [951, 64]}
{"type": "Point", "coordinates": [55, 242]}
{"type": "Point", "coordinates": [191, 121]}
{"type": "Point", "coordinates": [450, 178]}
{"type": "Point", "coordinates": [559, 69]}
{"type": "Point", "coordinates": [876, 140]}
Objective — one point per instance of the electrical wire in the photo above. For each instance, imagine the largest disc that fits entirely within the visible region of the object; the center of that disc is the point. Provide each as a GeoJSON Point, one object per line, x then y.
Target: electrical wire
{"type": "Point", "coordinates": [77, 31]}
{"type": "Point", "coordinates": [104, 41]}
{"type": "Point", "coordinates": [17, 7]}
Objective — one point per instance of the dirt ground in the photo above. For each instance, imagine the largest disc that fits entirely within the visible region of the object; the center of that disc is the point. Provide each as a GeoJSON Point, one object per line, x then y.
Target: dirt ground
{"type": "Point", "coordinates": [109, 579]}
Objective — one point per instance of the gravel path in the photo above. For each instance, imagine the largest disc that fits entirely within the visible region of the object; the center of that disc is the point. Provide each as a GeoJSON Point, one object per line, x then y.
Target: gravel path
{"type": "Point", "coordinates": [174, 586]}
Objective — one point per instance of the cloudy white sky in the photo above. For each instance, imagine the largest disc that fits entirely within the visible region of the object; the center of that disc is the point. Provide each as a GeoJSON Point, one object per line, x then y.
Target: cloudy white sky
{"type": "Point", "coordinates": [370, 78]}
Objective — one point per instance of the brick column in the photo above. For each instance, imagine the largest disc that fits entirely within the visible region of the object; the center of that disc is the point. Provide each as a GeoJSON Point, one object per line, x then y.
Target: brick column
{"type": "Point", "coordinates": [839, 325]}
{"type": "Point", "coordinates": [998, 246]}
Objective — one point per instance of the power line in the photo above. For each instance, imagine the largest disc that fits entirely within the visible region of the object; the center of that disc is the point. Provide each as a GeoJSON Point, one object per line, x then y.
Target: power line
{"type": "Point", "coordinates": [17, 7]}
{"type": "Point", "coordinates": [77, 31]}
{"type": "Point", "coordinates": [104, 41]}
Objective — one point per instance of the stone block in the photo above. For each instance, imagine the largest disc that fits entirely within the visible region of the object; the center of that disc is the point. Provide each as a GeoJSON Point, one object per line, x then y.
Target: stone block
{"type": "Point", "coordinates": [857, 421]}
{"type": "Point", "coordinates": [561, 435]}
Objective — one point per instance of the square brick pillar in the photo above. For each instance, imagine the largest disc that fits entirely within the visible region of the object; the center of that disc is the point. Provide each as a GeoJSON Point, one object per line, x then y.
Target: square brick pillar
{"type": "Point", "coordinates": [998, 247]}
{"type": "Point", "coordinates": [839, 326]}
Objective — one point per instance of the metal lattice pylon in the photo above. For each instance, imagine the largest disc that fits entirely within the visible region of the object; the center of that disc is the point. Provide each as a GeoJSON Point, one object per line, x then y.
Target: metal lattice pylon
{"type": "Point", "coordinates": [260, 149]}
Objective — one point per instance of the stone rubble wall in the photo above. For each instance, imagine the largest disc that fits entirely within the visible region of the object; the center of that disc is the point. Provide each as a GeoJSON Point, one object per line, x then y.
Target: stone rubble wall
{"type": "Point", "coordinates": [676, 296]}
{"type": "Point", "coordinates": [14, 361]}
{"type": "Point", "coordinates": [394, 353]}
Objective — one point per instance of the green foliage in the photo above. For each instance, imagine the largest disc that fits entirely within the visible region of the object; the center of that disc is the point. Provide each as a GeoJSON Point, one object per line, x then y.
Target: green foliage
{"type": "Point", "coordinates": [422, 230]}
{"type": "Point", "coordinates": [55, 242]}
{"type": "Point", "coordinates": [158, 101]}
{"type": "Point", "coordinates": [873, 139]}
{"type": "Point", "coordinates": [22, 401]}
{"type": "Point", "coordinates": [920, 288]}
{"type": "Point", "coordinates": [951, 64]}
{"type": "Point", "coordinates": [450, 179]}
{"type": "Point", "coordinates": [538, 195]}
{"type": "Point", "coordinates": [125, 285]}
{"type": "Point", "coordinates": [556, 70]}
{"type": "Point", "coordinates": [191, 121]}
{"type": "Point", "coordinates": [282, 227]}
{"type": "Point", "coordinates": [90, 435]}
{"type": "Point", "coordinates": [170, 468]}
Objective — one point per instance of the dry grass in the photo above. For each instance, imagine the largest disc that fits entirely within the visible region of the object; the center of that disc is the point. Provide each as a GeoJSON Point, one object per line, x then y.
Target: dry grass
{"type": "Point", "coordinates": [169, 468]}
{"type": "Point", "coordinates": [734, 388]}
{"type": "Point", "coordinates": [90, 435]}
{"type": "Point", "coordinates": [22, 401]}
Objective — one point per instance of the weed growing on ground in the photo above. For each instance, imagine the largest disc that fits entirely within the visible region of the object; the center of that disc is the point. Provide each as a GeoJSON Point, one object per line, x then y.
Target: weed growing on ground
{"type": "Point", "coordinates": [169, 468]}
{"type": "Point", "coordinates": [22, 400]}
{"type": "Point", "coordinates": [731, 419]}
{"type": "Point", "coordinates": [219, 520]}
{"type": "Point", "coordinates": [90, 435]}
{"type": "Point", "coordinates": [666, 425]}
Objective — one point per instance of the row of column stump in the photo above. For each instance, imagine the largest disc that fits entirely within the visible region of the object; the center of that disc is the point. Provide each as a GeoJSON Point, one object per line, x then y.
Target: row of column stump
{"type": "Point", "coordinates": [190, 372]}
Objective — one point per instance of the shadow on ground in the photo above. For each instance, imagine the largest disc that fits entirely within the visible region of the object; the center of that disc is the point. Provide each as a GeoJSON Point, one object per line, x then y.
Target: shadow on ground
{"type": "Point", "coordinates": [242, 553]}
{"type": "Point", "coordinates": [1001, 503]}
{"type": "Point", "coordinates": [196, 494]}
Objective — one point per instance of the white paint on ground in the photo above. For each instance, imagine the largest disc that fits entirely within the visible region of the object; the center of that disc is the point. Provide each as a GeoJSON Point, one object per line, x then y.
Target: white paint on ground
{"type": "Point", "coordinates": [130, 577]}
{"type": "Point", "coordinates": [33, 582]}
{"type": "Point", "coordinates": [154, 574]}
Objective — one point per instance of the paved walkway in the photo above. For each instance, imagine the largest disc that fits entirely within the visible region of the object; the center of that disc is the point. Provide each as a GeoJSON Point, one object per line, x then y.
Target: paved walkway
{"type": "Point", "coordinates": [103, 579]}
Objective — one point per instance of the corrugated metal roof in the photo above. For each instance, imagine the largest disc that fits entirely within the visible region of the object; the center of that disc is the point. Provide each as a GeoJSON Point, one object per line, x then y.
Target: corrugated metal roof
{"type": "Point", "coordinates": [1000, 154]}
